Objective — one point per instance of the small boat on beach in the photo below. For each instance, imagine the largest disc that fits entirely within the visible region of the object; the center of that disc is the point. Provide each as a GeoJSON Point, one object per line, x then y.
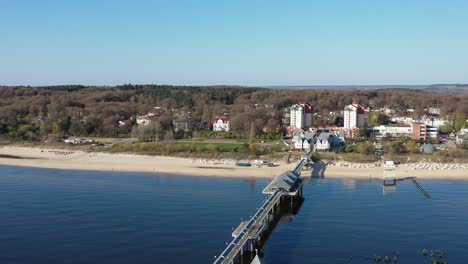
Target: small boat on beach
{"type": "Point", "coordinates": [243, 164]}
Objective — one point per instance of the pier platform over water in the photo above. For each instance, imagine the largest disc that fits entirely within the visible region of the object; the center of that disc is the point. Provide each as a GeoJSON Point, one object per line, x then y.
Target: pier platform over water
{"type": "Point", "coordinates": [250, 233]}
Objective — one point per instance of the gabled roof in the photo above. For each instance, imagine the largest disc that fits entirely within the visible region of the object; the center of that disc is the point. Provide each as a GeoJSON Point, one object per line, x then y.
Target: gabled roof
{"type": "Point", "coordinates": [224, 119]}
{"type": "Point", "coordinates": [285, 181]}
{"type": "Point", "coordinates": [309, 135]}
{"type": "Point", "coordinates": [323, 136]}
{"type": "Point", "coordinates": [296, 107]}
{"type": "Point", "coordinates": [350, 107]}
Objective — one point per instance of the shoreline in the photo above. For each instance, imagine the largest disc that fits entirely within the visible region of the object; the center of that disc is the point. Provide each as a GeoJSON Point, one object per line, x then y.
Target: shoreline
{"type": "Point", "coordinates": [79, 160]}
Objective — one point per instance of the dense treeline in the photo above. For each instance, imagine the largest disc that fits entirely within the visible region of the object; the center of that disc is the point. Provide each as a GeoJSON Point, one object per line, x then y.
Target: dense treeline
{"type": "Point", "coordinates": [28, 113]}
{"type": "Point", "coordinates": [32, 113]}
{"type": "Point", "coordinates": [398, 99]}
{"type": "Point", "coordinates": [326, 101]}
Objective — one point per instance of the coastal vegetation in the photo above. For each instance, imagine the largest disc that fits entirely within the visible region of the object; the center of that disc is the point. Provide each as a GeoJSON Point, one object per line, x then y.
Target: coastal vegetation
{"type": "Point", "coordinates": [50, 114]}
{"type": "Point", "coordinates": [28, 113]}
{"type": "Point", "coordinates": [201, 149]}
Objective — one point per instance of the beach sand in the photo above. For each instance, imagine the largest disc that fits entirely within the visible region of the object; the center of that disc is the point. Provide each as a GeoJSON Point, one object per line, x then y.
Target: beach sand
{"type": "Point", "coordinates": [78, 160]}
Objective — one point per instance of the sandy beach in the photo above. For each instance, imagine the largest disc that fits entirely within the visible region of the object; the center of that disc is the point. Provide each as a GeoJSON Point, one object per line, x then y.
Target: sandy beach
{"type": "Point", "coordinates": [78, 160]}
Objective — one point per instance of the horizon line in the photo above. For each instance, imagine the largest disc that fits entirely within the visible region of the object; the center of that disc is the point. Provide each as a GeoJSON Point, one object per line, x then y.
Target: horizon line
{"type": "Point", "coordinates": [238, 85]}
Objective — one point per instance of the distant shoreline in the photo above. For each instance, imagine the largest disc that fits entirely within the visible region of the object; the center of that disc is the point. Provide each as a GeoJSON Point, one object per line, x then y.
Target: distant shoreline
{"type": "Point", "coordinates": [79, 160]}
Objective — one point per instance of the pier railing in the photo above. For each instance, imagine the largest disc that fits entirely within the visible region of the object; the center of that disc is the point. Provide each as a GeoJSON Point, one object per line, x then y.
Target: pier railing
{"type": "Point", "coordinates": [236, 246]}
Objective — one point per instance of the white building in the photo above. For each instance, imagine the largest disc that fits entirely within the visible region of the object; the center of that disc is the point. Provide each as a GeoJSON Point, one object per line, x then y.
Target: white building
{"type": "Point", "coordinates": [432, 111]}
{"type": "Point", "coordinates": [432, 132]}
{"type": "Point", "coordinates": [301, 140]}
{"type": "Point", "coordinates": [221, 124]}
{"type": "Point", "coordinates": [326, 141]}
{"type": "Point", "coordinates": [387, 110]}
{"type": "Point", "coordinates": [434, 122]}
{"type": "Point", "coordinates": [300, 144]}
{"type": "Point", "coordinates": [462, 136]}
{"type": "Point", "coordinates": [396, 130]}
{"type": "Point", "coordinates": [301, 115]}
{"type": "Point", "coordinates": [143, 120]}
{"type": "Point", "coordinates": [430, 121]}
{"type": "Point", "coordinates": [402, 120]}
{"type": "Point", "coordinates": [355, 115]}
{"type": "Point", "coordinates": [322, 145]}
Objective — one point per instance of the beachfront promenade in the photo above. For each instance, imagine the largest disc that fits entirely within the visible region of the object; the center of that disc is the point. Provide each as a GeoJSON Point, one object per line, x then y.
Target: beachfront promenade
{"type": "Point", "coordinates": [248, 235]}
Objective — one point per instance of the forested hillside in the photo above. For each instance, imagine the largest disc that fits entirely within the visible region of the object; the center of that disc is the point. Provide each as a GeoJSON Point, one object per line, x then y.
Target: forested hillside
{"type": "Point", "coordinates": [30, 113]}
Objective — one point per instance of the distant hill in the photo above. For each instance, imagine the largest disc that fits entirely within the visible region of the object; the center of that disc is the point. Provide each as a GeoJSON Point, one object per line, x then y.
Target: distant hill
{"type": "Point", "coordinates": [436, 88]}
{"type": "Point", "coordinates": [448, 88]}
{"type": "Point", "coordinates": [347, 87]}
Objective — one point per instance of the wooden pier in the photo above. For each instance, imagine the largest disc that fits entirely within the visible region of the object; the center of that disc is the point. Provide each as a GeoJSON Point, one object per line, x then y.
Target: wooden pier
{"type": "Point", "coordinates": [251, 233]}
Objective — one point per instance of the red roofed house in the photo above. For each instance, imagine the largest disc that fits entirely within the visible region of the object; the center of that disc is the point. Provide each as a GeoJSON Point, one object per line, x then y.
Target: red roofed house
{"type": "Point", "coordinates": [143, 120]}
{"type": "Point", "coordinates": [221, 124]}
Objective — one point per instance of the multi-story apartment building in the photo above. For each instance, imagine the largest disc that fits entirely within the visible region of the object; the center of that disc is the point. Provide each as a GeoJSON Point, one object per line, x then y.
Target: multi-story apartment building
{"type": "Point", "coordinates": [355, 115]}
{"type": "Point", "coordinates": [423, 131]}
{"type": "Point", "coordinates": [301, 115]}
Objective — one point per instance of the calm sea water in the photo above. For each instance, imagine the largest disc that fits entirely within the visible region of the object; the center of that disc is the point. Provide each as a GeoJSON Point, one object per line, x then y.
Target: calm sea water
{"type": "Point", "coordinates": [59, 216]}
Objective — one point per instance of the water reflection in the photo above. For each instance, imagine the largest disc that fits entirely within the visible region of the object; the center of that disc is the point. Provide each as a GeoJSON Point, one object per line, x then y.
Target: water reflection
{"type": "Point", "coordinates": [351, 184]}
{"type": "Point", "coordinates": [318, 169]}
{"type": "Point", "coordinates": [252, 183]}
{"type": "Point", "coordinates": [289, 207]}
{"type": "Point", "coordinates": [96, 217]}
{"type": "Point", "coordinates": [389, 185]}
{"type": "Point", "coordinates": [350, 221]}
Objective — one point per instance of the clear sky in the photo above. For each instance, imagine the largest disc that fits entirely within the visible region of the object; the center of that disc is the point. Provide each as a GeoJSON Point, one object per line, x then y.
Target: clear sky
{"type": "Point", "coordinates": [243, 42]}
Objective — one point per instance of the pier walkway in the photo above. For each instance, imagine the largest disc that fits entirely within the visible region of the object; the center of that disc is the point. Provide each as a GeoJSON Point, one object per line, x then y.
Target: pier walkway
{"type": "Point", "coordinates": [249, 233]}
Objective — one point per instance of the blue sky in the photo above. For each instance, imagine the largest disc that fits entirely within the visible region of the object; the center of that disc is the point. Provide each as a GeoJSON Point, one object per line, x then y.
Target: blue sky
{"type": "Point", "coordinates": [207, 42]}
